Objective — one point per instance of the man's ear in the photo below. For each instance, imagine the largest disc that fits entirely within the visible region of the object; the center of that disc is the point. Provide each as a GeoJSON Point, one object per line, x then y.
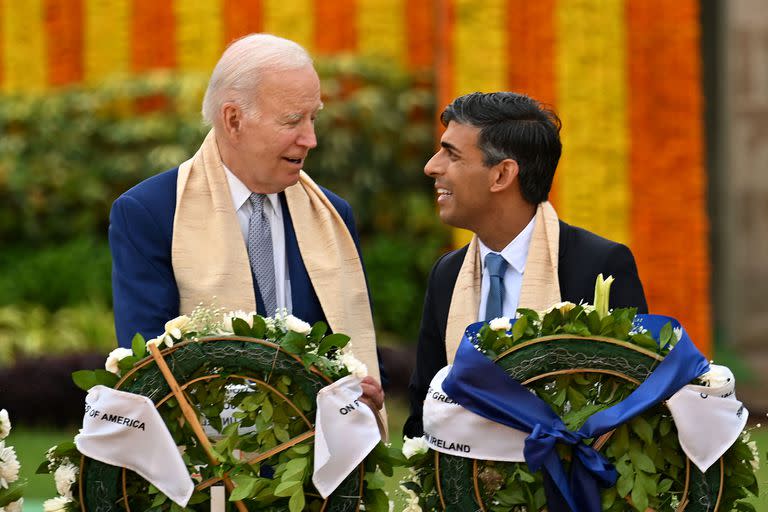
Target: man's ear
{"type": "Point", "coordinates": [232, 118]}
{"type": "Point", "coordinates": [504, 174]}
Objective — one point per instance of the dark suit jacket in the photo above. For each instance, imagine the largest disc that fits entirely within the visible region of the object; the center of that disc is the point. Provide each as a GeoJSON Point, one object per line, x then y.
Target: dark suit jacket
{"type": "Point", "coordinates": [582, 256]}
{"type": "Point", "coordinates": [143, 285]}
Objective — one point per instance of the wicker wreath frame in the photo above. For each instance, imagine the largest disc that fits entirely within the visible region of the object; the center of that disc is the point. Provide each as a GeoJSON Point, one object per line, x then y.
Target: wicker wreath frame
{"type": "Point", "coordinates": [102, 487]}
{"type": "Point", "coordinates": [456, 477]}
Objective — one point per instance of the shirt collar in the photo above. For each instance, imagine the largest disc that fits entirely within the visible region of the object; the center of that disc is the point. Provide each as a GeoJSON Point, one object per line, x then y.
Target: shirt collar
{"type": "Point", "coordinates": [240, 193]}
{"type": "Point", "coordinates": [516, 251]}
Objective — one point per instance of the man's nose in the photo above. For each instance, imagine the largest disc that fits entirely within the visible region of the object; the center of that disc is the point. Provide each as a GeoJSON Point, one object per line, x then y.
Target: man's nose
{"type": "Point", "coordinates": [432, 169]}
{"type": "Point", "coordinates": [307, 137]}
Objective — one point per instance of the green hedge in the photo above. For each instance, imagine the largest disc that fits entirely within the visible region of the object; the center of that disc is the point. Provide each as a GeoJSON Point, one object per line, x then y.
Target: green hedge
{"type": "Point", "coordinates": [65, 157]}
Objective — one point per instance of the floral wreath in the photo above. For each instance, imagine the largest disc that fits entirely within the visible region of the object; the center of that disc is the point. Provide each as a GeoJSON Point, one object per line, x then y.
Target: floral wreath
{"type": "Point", "coordinates": [654, 473]}
{"type": "Point", "coordinates": [265, 373]}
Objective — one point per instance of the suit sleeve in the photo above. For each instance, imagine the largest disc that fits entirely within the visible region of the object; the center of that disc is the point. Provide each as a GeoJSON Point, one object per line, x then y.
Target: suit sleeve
{"type": "Point", "coordinates": [144, 290]}
{"type": "Point", "coordinates": [627, 290]}
{"type": "Point", "coordinates": [430, 356]}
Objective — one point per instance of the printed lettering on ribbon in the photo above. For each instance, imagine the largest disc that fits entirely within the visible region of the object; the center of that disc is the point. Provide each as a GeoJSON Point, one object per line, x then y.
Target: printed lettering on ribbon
{"type": "Point", "coordinates": [124, 429]}
{"type": "Point", "coordinates": [450, 428]}
{"type": "Point", "coordinates": [345, 432]}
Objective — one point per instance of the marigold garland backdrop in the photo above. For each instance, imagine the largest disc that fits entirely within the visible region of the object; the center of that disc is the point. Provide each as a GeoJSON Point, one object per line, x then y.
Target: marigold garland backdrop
{"type": "Point", "coordinates": [624, 76]}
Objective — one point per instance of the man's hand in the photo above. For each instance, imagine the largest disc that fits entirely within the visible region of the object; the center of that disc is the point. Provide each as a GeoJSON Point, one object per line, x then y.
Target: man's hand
{"type": "Point", "coordinates": [373, 392]}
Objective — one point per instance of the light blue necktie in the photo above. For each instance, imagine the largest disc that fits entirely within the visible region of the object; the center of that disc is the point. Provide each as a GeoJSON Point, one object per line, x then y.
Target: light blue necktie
{"type": "Point", "coordinates": [495, 265]}
{"type": "Point", "coordinates": [260, 253]}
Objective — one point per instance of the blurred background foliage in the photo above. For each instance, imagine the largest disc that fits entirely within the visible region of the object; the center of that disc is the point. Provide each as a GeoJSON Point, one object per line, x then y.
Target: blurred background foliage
{"type": "Point", "coordinates": [66, 156]}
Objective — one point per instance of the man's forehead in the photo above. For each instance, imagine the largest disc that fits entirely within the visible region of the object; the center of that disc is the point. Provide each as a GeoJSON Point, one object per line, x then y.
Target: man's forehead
{"type": "Point", "coordinates": [460, 135]}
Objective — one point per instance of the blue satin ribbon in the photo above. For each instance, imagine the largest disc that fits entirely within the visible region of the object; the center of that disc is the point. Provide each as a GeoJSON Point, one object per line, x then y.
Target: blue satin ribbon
{"type": "Point", "coordinates": [479, 385]}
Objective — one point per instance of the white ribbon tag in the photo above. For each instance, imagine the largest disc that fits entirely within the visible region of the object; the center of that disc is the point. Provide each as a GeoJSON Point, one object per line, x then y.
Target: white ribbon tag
{"type": "Point", "coordinates": [708, 419]}
{"type": "Point", "coordinates": [345, 432]}
{"type": "Point", "coordinates": [450, 428]}
{"type": "Point", "coordinates": [124, 429]}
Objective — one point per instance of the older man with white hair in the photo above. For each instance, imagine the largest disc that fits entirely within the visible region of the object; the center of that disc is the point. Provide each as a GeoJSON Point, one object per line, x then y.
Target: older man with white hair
{"type": "Point", "coordinates": [240, 223]}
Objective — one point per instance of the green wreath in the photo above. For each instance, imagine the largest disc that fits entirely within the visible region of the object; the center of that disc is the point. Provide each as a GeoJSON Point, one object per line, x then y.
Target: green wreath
{"type": "Point", "coordinates": [263, 452]}
{"type": "Point", "coordinates": [580, 363]}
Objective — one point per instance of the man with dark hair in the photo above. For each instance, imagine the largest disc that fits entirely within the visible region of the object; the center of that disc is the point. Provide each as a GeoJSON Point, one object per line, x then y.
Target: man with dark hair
{"type": "Point", "coordinates": [492, 175]}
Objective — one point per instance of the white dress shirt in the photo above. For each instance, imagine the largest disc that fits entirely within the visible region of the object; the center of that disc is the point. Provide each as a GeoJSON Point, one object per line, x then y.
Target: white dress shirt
{"type": "Point", "coordinates": [273, 211]}
{"type": "Point", "coordinates": [515, 254]}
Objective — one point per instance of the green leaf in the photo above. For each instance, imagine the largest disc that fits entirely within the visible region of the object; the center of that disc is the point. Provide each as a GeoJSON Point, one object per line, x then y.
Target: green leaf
{"type": "Point", "coordinates": [624, 484]}
{"type": "Point", "coordinates": [244, 487]}
{"type": "Point", "coordinates": [376, 501]}
{"type": "Point", "coordinates": [318, 330]}
{"type": "Point", "coordinates": [294, 342]}
{"type": "Point", "coordinates": [285, 489]}
{"type": "Point", "coordinates": [638, 494]}
{"type": "Point", "coordinates": [666, 335]}
{"type": "Point", "coordinates": [240, 328]}
{"type": "Point", "coordinates": [337, 340]}
{"type": "Point", "coordinates": [643, 430]}
{"type": "Point", "coordinates": [642, 461]}
{"type": "Point", "coordinates": [296, 503]}
{"type": "Point", "coordinates": [139, 346]}
{"type": "Point", "coordinates": [84, 379]}
{"type": "Point", "coordinates": [293, 469]}
{"type": "Point", "coordinates": [259, 329]}
{"type": "Point", "coordinates": [375, 480]}
{"type": "Point", "coordinates": [518, 330]}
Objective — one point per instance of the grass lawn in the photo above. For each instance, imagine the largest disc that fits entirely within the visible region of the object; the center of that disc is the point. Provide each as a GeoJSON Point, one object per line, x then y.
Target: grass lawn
{"type": "Point", "coordinates": [31, 445]}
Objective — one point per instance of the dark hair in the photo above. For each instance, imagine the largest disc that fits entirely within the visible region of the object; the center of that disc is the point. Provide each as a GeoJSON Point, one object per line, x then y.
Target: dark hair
{"type": "Point", "coordinates": [517, 127]}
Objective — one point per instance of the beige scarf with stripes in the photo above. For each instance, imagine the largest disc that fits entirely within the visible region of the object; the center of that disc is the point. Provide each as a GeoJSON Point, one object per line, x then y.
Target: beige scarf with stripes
{"type": "Point", "coordinates": [540, 288]}
{"type": "Point", "coordinates": [210, 258]}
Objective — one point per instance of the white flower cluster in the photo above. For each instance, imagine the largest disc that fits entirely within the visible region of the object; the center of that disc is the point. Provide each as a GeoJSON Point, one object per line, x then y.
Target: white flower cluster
{"type": "Point", "coordinates": [65, 476]}
{"type": "Point", "coordinates": [717, 376]}
{"type": "Point", "coordinates": [115, 357]}
{"type": "Point", "coordinates": [353, 364]}
{"type": "Point", "coordinates": [9, 463]}
{"type": "Point", "coordinates": [174, 330]}
{"type": "Point", "coordinates": [411, 500]}
{"type": "Point", "coordinates": [414, 446]}
{"type": "Point", "coordinates": [500, 324]}
{"type": "Point", "coordinates": [57, 504]}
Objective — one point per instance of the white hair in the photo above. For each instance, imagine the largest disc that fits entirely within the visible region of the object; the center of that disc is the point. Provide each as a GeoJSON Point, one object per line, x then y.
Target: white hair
{"type": "Point", "coordinates": [239, 70]}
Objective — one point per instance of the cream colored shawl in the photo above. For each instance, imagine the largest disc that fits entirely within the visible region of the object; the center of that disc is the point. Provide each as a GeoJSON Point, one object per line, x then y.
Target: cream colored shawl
{"type": "Point", "coordinates": [540, 288]}
{"type": "Point", "coordinates": [210, 258]}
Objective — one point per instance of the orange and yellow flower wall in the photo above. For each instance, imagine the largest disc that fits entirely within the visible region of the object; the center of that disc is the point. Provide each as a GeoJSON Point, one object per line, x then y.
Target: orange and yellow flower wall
{"type": "Point", "coordinates": [624, 76]}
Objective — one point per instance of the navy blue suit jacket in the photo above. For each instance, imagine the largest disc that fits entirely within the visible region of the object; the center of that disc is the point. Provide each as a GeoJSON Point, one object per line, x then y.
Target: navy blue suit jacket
{"type": "Point", "coordinates": [143, 285]}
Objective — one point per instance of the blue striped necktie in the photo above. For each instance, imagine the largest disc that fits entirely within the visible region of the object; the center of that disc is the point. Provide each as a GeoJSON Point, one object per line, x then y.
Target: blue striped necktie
{"type": "Point", "coordinates": [495, 265]}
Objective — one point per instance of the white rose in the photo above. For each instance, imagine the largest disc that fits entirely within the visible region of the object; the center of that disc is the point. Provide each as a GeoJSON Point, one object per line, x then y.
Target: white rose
{"type": "Point", "coordinates": [500, 324]}
{"type": "Point", "coordinates": [9, 465]}
{"type": "Point", "coordinates": [564, 307]}
{"type": "Point", "coordinates": [354, 365]}
{"type": "Point", "coordinates": [115, 357]}
{"type": "Point", "coordinates": [242, 315]}
{"type": "Point", "coordinates": [414, 446]}
{"type": "Point", "coordinates": [177, 327]}
{"type": "Point", "coordinates": [717, 376]}
{"type": "Point", "coordinates": [678, 333]}
{"type": "Point", "coordinates": [411, 500]}
{"type": "Point", "coordinates": [158, 341]}
{"type": "Point", "coordinates": [65, 477]}
{"type": "Point", "coordinates": [57, 504]}
{"type": "Point", "coordinates": [297, 325]}
{"type": "Point", "coordinates": [5, 424]}
{"type": "Point", "coordinates": [14, 506]}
